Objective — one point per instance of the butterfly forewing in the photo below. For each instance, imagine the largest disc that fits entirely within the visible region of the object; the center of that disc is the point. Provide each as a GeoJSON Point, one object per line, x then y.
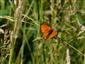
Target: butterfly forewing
{"type": "Point", "coordinates": [45, 29]}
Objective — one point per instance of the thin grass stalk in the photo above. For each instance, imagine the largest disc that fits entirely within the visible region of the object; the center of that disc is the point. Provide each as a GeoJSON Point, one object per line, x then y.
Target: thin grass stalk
{"type": "Point", "coordinates": [53, 12]}
{"type": "Point", "coordinates": [84, 59]}
{"type": "Point", "coordinates": [41, 21]}
{"type": "Point", "coordinates": [35, 10]}
{"type": "Point", "coordinates": [68, 56]}
{"type": "Point", "coordinates": [2, 2]}
{"type": "Point", "coordinates": [41, 11]}
{"type": "Point", "coordinates": [83, 5]}
{"type": "Point", "coordinates": [18, 59]}
{"type": "Point", "coordinates": [22, 48]}
{"type": "Point", "coordinates": [17, 25]}
{"type": "Point", "coordinates": [74, 48]}
{"type": "Point", "coordinates": [36, 18]}
{"type": "Point", "coordinates": [32, 55]}
{"type": "Point", "coordinates": [28, 11]}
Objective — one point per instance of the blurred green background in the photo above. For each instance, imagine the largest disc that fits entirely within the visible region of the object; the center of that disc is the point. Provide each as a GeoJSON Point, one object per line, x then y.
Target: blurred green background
{"type": "Point", "coordinates": [21, 41]}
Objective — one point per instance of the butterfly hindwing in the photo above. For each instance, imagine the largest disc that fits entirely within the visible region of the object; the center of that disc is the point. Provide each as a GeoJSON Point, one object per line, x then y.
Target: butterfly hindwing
{"type": "Point", "coordinates": [53, 34]}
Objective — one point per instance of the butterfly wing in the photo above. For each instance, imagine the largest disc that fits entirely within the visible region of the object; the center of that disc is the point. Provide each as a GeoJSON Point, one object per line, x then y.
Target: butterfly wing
{"type": "Point", "coordinates": [45, 30]}
{"type": "Point", "coordinates": [53, 34]}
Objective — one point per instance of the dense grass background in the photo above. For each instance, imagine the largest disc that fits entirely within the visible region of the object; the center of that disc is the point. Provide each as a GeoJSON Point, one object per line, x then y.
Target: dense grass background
{"type": "Point", "coordinates": [21, 40]}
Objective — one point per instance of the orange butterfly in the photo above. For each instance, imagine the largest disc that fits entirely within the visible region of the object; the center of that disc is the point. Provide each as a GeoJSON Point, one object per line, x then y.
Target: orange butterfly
{"type": "Point", "coordinates": [48, 32]}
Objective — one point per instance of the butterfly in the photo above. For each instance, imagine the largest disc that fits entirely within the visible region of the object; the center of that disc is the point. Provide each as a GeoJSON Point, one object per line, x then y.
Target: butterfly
{"type": "Point", "coordinates": [48, 32]}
